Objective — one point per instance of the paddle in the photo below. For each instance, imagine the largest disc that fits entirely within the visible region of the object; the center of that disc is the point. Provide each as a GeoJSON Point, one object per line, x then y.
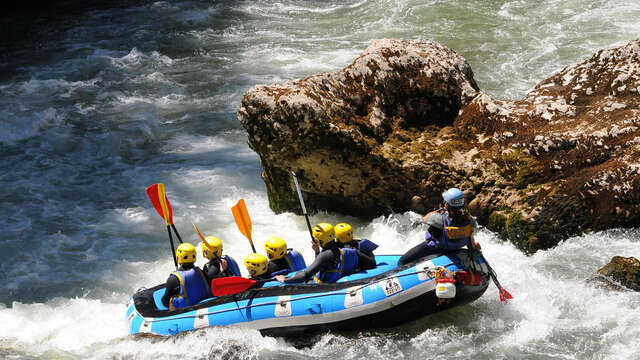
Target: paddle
{"type": "Point", "coordinates": [160, 202]}
{"type": "Point", "coordinates": [304, 209]}
{"type": "Point", "coordinates": [198, 231]}
{"type": "Point", "coordinates": [241, 215]}
{"type": "Point", "coordinates": [504, 294]}
{"type": "Point", "coordinates": [230, 285]}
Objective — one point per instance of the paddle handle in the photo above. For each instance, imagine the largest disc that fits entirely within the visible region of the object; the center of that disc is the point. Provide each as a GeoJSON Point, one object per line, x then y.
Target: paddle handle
{"type": "Point", "coordinates": [304, 209]}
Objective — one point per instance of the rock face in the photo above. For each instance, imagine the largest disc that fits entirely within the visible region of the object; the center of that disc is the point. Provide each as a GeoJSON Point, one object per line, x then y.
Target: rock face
{"type": "Point", "coordinates": [406, 120]}
{"type": "Point", "coordinates": [621, 271]}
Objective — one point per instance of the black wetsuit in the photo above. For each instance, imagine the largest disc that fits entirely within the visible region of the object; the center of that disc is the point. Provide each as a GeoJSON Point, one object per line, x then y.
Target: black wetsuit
{"type": "Point", "coordinates": [264, 276]}
{"type": "Point", "coordinates": [327, 260]}
{"type": "Point", "coordinates": [277, 265]}
{"type": "Point", "coordinates": [212, 270]}
{"type": "Point", "coordinates": [421, 250]}
{"type": "Point", "coordinates": [172, 287]}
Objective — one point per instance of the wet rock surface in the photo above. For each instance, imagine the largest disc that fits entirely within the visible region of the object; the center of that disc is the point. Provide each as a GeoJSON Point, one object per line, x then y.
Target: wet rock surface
{"type": "Point", "coordinates": [619, 273]}
{"type": "Point", "coordinates": [406, 120]}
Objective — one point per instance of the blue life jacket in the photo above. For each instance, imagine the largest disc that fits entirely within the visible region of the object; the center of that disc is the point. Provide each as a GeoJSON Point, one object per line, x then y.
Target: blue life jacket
{"type": "Point", "coordinates": [232, 265]}
{"type": "Point", "coordinates": [193, 288]}
{"type": "Point", "coordinates": [295, 262]}
{"type": "Point", "coordinates": [367, 246]}
{"type": "Point", "coordinates": [347, 265]}
{"type": "Point", "coordinates": [454, 236]}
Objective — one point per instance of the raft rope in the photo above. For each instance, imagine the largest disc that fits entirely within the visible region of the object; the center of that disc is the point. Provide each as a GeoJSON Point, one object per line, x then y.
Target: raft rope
{"type": "Point", "coordinates": [427, 271]}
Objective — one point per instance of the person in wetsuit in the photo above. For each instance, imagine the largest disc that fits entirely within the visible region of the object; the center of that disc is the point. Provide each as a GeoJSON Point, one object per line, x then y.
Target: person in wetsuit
{"type": "Point", "coordinates": [344, 235]}
{"type": "Point", "coordinates": [333, 262]}
{"type": "Point", "coordinates": [449, 228]}
{"type": "Point", "coordinates": [281, 259]}
{"type": "Point", "coordinates": [187, 285]}
{"type": "Point", "coordinates": [219, 265]}
{"type": "Point", "coordinates": [258, 266]}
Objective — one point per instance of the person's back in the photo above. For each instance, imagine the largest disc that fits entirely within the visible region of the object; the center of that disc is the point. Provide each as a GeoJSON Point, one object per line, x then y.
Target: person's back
{"type": "Point", "coordinates": [282, 260]}
{"type": "Point", "coordinates": [188, 285]}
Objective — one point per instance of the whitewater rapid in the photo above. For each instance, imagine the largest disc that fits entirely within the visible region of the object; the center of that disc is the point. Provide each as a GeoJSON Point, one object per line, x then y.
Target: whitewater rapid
{"type": "Point", "coordinates": [95, 108]}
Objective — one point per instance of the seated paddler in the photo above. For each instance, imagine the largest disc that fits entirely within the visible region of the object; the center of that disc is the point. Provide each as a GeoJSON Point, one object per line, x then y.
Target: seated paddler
{"type": "Point", "coordinates": [333, 261]}
{"type": "Point", "coordinates": [219, 265]}
{"type": "Point", "coordinates": [258, 266]}
{"type": "Point", "coordinates": [282, 260]}
{"type": "Point", "coordinates": [449, 228]}
{"type": "Point", "coordinates": [187, 285]}
{"type": "Point", "coordinates": [344, 235]}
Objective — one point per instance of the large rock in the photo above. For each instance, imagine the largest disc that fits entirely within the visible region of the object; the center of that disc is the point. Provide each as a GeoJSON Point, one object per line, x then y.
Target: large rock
{"type": "Point", "coordinates": [406, 120]}
{"type": "Point", "coordinates": [620, 271]}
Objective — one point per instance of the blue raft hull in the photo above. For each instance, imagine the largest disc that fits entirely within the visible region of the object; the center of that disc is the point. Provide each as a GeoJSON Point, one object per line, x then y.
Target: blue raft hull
{"type": "Point", "coordinates": [378, 298]}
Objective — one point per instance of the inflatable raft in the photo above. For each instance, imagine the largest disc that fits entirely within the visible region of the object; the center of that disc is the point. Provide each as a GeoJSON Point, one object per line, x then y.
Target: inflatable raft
{"type": "Point", "coordinates": [386, 296]}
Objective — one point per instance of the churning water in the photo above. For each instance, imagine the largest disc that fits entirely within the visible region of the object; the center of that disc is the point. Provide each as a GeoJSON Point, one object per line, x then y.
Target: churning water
{"type": "Point", "coordinates": [97, 107]}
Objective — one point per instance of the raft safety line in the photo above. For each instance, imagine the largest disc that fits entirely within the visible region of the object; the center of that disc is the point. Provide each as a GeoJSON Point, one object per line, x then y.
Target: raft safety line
{"type": "Point", "coordinates": [300, 298]}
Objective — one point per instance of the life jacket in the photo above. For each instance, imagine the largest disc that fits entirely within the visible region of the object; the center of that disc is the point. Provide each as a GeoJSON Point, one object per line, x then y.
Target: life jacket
{"type": "Point", "coordinates": [294, 262]}
{"type": "Point", "coordinates": [454, 236]}
{"type": "Point", "coordinates": [232, 265]}
{"type": "Point", "coordinates": [346, 265]}
{"type": "Point", "coordinates": [193, 288]}
{"type": "Point", "coordinates": [367, 246]}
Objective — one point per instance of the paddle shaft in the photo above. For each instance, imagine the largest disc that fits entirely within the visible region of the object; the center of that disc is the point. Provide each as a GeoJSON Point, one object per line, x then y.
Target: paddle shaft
{"type": "Point", "coordinates": [176, 231]}
{"type": "Point", "coordinates": [304, 209]}
{"type": "Point", "coordinates": [503, 292]}
{"type": "Point", "coordinates": [173, 251]}
{"type": "Point", "coordinates": [252, 247]}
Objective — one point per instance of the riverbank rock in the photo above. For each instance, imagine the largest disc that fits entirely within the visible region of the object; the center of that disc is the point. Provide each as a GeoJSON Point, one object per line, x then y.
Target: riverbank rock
{"type": "Point", "coordinates": [620, 271]}
{"type": "Point", "coordinates": [406, 120]}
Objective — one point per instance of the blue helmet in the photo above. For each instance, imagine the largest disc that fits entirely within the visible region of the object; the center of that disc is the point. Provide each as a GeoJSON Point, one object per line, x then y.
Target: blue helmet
{"type": "Point", "coordinates": [454, 197]}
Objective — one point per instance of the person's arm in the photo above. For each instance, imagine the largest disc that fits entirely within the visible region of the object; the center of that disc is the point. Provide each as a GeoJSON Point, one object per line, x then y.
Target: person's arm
{"type": "Point", "coordinates": [213, 270]}
{"type": "Point", "coordinates": [172, 288]}
{"type": "Point", "coordinates": [323, 260]}
{"type": "Point", "coordinates": [365, 261]}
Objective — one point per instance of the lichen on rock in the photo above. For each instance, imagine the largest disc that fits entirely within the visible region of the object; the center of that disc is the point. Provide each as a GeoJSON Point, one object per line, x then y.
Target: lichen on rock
{"type": "Point", "coordinates": [406, 120]}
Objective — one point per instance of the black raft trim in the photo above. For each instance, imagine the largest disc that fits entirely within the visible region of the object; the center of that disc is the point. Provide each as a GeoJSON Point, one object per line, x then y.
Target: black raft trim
{"type": "Point", "coordinates": [145, 304]}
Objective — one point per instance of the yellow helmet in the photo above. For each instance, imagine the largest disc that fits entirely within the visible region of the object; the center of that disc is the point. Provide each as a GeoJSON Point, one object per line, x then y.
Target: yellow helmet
{"type": "Point", "coordinates": [276, 248]}
{"type": "Point", "coordinates": [257, 264]}
{"type": "Point", "coordinates": [211, 247]}
{"type": "Point", "coordinates": [186, 254]}
{"type": "Point", "coordinates": [323, 233]}
{"type": "Point", "coordinates": [344, 232]}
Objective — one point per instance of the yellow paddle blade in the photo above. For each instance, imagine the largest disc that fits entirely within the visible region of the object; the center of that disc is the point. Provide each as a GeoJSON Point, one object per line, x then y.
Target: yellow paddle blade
{"type": "Point", "coordinates": [198, 231]}
{"type": "Point", "coordinates": [163, 203]}
{"type": "Point", "coordinates": [241, 215]}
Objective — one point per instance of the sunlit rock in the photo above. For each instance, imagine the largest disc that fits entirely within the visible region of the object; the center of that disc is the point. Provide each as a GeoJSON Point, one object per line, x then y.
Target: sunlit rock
{"type": "Point", "coordinates": [406, 120]}
{"type": "Point", "coordinates": [620, 272]}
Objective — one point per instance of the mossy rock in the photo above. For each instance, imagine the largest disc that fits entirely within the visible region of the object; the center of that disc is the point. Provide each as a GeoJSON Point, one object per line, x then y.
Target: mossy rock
{"type": "Point", "coordinates": [521, 169]}
{"type": "Point", "coordinates": [497, 222]}
{"type": "Point", "coordinates": [446, 149]}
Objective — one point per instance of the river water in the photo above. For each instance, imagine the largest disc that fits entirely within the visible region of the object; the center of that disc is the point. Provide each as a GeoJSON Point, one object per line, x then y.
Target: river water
{"type": "Point", "coordinates": [94, 108]}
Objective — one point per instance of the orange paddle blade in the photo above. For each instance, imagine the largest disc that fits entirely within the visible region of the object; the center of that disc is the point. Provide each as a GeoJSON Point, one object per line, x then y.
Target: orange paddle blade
{"type": "Point", "coordinates": [160, 202]}
{"type": "Point", "coordinates": [241, 215]}
{"type": "Point", "coordinates": [198, 231]}
{"type": "Point", "coordinates": [230, 285]}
